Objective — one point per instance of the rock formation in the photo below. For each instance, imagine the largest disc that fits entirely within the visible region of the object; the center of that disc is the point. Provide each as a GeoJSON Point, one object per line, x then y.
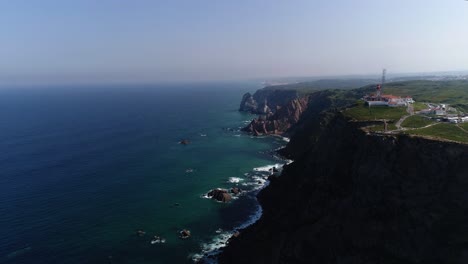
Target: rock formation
{"type": "Point", "coordinates": [184, 142]}
{"type": "Point", "coordinates": [279, 122]}
{"type": "Point", "coordinates": [265, 101]}
{"type": "Point", "coordinates": [235, 190]}
{"type": "Point", "coordinates": [220, 195]}
{"type": "Point", "coordinates": [360, 199]}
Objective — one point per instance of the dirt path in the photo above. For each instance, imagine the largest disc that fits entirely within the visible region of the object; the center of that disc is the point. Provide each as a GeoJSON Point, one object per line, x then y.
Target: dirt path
{"type": "Point", "coordinates": [410, 111]}
{"type": "Point", "coordinates": [462, 128]}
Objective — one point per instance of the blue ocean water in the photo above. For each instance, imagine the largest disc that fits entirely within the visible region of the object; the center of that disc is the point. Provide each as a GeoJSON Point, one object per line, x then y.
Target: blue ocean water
{"type": "Point", "coordinates": [83, 168]}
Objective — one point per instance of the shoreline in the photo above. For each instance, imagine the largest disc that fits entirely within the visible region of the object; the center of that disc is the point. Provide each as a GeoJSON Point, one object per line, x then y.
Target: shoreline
{"type": "Point", "coordinates": [210, 250]}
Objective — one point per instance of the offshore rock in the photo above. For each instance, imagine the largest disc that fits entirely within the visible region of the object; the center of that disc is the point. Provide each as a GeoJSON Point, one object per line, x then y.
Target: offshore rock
{"type": "Point", "coordinates": [236, 190]}
{"type": "Point", "coordinates": [220, 195]}
{"type": "Point", "coordinates": [184, 142]}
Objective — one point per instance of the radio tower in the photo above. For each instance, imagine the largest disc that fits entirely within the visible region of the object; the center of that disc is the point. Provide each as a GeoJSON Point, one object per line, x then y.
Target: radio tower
{"type": "Point", "coordinates": [380, 86]}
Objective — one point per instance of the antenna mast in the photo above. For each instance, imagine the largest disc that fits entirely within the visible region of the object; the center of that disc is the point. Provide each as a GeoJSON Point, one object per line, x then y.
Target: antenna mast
{"type": "Point", "coordinates": [384, 72]}
{"type": "Point", "coordinates": [380, 86]}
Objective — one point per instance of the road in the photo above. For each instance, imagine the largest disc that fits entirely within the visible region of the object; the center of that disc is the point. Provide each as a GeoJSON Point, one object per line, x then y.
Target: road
{"type": "Point", "coordinates": [410, 111]}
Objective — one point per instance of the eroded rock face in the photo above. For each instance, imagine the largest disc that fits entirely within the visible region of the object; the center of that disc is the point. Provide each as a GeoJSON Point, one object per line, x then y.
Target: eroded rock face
{"type": "Point", "coordinates": [248, 103]}
{"type": "Point", "coordinates": [220, 195]}
{"type": "Point", "coordinates": [265, 101]}
{"type": "Point", "coordinates": [280, 121]}
{"type": "Point", "coordinates": [360, 199]}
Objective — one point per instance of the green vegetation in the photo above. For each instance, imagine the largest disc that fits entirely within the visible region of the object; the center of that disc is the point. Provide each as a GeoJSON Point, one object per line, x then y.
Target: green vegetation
{"type": "Point", "coordinates": [323, 84]}
{"type": "Point", "coordinates": [442, 131]}
{"type": "Point", "coordinates": [464, 126]}
{"type": "Point", "coordinates": [365, 113]}
{"type": "Point", "coordinates": [416, 121]}
{"type": "Point", "coordinates": [341, 93]}
{"type": "Point", "coordinates": [418, 106]}
{"type": "Point", "coordinates": [381, 127]}
{"type": "Point", "coordinates": [449, 92]}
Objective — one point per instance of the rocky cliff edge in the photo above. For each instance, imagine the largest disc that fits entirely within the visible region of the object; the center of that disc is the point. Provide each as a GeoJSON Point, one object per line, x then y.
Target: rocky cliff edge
{"type": "Point", "coordinates": [355, 198]}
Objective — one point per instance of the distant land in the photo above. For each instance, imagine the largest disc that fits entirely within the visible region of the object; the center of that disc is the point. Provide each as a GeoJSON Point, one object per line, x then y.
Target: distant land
{"type": "Point", "coordinates": [444, 75]}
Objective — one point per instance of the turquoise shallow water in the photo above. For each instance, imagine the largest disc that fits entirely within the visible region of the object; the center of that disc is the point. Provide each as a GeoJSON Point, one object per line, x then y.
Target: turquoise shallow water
{"type": "Point", "coordinates": [82, 168]}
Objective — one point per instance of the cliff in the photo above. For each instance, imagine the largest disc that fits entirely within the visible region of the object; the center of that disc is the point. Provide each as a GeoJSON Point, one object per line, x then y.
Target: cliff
{"type": "Point", "coordinates": [266, 100]}
{"type": "Point", "coordinates": [281, 120]}
{"type": "Point", "coordinates": [355, 198]}
{"type": "Point", "coordinates": [287, 111]}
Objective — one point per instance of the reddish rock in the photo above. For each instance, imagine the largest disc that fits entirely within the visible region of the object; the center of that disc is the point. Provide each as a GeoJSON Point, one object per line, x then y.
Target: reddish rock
{"type": "Point", "coordinates": [280, 121]}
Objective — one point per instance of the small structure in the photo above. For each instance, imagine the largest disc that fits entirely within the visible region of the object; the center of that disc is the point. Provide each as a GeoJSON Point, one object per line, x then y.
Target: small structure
{"type": "Point", "coordinates": [388, 100]}
{"type": "Point", "coordinates": [380, 99]}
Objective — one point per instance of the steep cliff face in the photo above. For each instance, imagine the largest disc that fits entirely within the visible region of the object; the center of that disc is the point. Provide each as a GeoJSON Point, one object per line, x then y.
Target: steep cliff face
{"type": "Point", "coordinates": [292, 115]}
{"type": "Point", "coordinates": [265, 101]}
{"type": "Point", "coordinates": [281, 120]}
{"type": "Point", "coordinates": [355, 198]}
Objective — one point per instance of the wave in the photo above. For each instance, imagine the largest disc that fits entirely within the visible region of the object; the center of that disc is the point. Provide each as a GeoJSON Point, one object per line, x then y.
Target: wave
{"type": "Point", "coordinates": [257, 179]}
{"type": "Point", "coordinates": [268, 168]}
{"type": "Point", "coordinates": [235, 179]}
{"type": "Point", "coordinates": [211, 249]}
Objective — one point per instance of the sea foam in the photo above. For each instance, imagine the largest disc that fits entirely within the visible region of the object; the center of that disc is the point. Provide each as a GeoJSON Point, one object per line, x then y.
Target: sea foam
{"type": "Point", "coordinates": [235, 179]}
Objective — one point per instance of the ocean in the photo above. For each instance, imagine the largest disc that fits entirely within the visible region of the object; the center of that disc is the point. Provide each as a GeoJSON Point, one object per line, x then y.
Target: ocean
{"type": "Point", "coordinates": [82, 168]}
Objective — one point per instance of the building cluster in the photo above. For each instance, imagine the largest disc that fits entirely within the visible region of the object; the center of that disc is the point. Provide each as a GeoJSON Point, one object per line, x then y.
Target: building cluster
{"type": "Point", "coordinates": [388, 100]}
{"type": "Point", "coordinates": [438, 110]}
{"type": "Point", "coordinates": [444, 112]}
{"type": "Point", "coordinates": [456, 119]}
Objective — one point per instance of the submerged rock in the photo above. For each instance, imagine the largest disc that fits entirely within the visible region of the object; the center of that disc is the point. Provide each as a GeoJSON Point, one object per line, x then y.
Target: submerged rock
{"type": "Point", "coordinates": [184, 142]}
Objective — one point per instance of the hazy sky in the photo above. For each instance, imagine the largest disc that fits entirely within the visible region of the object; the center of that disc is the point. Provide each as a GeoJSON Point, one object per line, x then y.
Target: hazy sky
{"type": "Point", "coordinates": [158, 40]}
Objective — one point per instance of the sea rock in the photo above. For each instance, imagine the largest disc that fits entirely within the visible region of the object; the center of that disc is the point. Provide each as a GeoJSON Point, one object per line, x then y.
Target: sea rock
{"type": "Point", "coordinates": [184, 142]}
{"type": "Point", "coordinates": [185, 234]}
{"type": "Point", "coordinates": [234, 236]}
{"type": "Point", "coordinates": [236, 190]}
{"type": "Point", "coordinates": [220, 195]}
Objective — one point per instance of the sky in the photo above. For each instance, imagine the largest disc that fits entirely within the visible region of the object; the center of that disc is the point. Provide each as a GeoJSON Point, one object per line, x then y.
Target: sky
{"type": "Point", "coordinates": [185, 40]}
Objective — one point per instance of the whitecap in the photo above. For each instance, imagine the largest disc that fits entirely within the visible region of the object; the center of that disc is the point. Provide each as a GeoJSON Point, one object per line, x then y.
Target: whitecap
{"type": "Point", "coordinates": [235, 179]}
{"type": "Point", "coordinates": [268, 168]}
{"type": "Point", "coordinates": [258, 181]}
{"type": "Point", "coordinates": [214, 247]}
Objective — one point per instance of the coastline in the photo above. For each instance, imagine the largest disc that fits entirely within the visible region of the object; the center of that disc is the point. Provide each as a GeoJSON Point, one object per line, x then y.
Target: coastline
{"type": "Point", "coordinates": [258, 180]}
